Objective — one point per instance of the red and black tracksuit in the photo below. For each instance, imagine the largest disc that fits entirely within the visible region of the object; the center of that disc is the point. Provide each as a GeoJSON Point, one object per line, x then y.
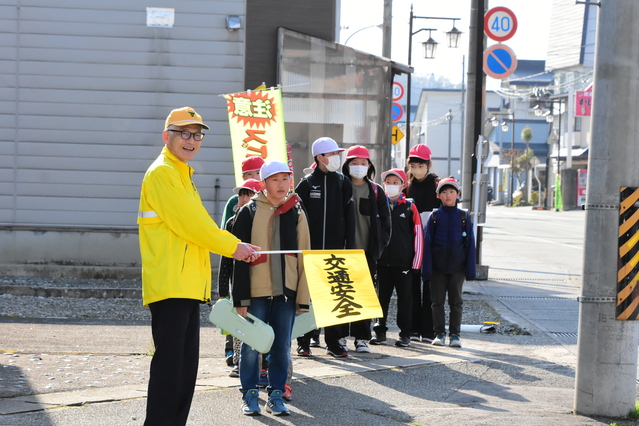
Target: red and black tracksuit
{"type": "Point", "coordinates": [399, 262]}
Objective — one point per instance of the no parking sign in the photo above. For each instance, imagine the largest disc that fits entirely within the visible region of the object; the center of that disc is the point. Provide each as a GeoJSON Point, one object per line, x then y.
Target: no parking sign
{"type": "Point", "coordinates": [499, 61]}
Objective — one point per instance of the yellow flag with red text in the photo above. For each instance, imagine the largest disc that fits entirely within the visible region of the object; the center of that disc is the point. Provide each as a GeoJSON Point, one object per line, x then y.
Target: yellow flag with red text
{"type": "Point", "coordinates": [341, 287]}
{"type": "Point", "coordinates": [256, 121]}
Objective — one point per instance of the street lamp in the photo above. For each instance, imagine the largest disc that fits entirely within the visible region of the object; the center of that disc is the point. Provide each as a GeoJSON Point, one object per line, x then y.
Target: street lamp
{"type": "Point", "coordinates": [362, 29]}
{"type": "Point", "coordinates": [430, 46]}
{"type": "Point", "coordinates": [505, 126]}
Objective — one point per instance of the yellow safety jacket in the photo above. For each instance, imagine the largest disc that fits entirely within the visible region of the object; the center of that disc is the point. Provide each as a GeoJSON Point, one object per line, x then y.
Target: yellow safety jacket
{"type": "Point", "coordinates": [176, 234]}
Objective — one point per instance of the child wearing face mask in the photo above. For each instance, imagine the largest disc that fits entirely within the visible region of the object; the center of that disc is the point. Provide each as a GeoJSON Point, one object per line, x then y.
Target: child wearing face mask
{"type": "Point", "coordinates": [400, 260]}
{"type": "Point", "coordinates": [328, 199]}
{"type": "Point", "coordinates": [372, 227]}
{"type": "Point", "coordinates": [422, 184]}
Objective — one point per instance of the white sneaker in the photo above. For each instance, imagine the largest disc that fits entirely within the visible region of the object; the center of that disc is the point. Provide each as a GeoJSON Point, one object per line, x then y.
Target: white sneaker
{"type": "Point", "coordinates": [455, 341]}
{"type": "Point", "coordinates": [362, 347]}
{"type": "Point", "coordinates": [342, 343]}
{"type": "Point", "coordinates": [440, 340]}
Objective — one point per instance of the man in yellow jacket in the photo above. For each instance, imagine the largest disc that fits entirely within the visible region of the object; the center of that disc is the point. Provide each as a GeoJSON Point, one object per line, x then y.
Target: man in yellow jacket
{"type": "Point", "coordinates": [176, 236]}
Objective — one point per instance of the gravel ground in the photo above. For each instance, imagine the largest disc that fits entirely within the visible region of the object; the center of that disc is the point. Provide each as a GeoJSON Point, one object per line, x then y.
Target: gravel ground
{"type": "Point", "coordinates": [476, 311]}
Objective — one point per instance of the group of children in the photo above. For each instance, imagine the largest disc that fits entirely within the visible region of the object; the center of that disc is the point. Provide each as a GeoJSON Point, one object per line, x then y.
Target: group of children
{"type": "Point", "coordinates": [422, 256]}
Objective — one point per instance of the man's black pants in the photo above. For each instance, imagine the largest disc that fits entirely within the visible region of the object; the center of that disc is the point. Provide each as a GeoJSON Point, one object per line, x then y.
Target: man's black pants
{"type": "Point", "coordinates": [175, 325]}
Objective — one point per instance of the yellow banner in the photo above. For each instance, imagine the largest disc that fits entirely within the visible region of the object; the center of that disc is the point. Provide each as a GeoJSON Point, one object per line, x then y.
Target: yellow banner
{"type": "Point", "coordinates": [341, 287]}
{"type": "Point", "coordinates": [256, 120]}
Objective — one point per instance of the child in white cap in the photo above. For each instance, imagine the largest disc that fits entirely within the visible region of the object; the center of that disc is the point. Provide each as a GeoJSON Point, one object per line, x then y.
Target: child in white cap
{"type": "Point", "coordinates": [328, 199]}
{"type": "Point", "coordinates": [273, 288]}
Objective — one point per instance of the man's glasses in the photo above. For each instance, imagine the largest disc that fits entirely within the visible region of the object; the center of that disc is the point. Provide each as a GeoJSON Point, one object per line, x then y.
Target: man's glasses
{"type": "Point", "coordinates": [187, 135]}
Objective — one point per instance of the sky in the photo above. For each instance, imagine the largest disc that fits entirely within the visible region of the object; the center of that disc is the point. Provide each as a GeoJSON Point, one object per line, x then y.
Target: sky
{"type": "Point", "coordinates": [529, 42]}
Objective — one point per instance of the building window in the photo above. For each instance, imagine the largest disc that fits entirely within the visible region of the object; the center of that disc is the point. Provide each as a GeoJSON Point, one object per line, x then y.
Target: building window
{"type": "Point", "coordinates": [577, 127]}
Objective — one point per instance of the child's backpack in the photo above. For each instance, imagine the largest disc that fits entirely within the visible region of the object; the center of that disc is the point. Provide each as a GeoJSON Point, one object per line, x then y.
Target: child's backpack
{"type": "Point", "coordinates": [462, 215]}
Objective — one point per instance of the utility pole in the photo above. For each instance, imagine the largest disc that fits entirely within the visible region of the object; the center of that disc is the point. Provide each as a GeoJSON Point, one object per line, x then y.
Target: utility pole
{"type": "Point", "coordinates": [474, 100]}
{"type": "Point", "coordinates": [607, 348]}
{"type": "Point", "coordinates": [387, 28]}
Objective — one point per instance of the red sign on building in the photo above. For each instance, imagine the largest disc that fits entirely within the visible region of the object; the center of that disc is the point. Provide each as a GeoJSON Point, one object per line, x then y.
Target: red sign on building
{"type": "Point", "coordinates": [583, 103]}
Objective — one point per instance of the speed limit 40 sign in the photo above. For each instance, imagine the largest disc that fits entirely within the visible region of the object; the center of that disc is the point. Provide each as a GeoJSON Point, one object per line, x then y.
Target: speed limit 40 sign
{"type": "Point", "coordinates": [500, 23]}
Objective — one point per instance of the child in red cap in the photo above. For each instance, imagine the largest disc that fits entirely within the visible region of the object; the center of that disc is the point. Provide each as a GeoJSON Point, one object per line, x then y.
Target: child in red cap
{"type": "Point", "coordinates": [372, 227]}
{"type": "Point", "coordinates": [250, 170]}
{"type": "Point", "coordinates": [422, 183]}
{"type": "Point", "coordinates": [449, 258]}
{"type": "Point", "coordinates": [400, 260]}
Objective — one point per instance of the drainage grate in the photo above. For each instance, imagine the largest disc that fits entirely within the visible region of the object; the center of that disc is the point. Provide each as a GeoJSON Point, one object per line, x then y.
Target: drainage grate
{"type": "Point", "coordinates": [561, 334]}
{"type": "Point", "coordinates": [537, 298]}
{"type": "Point", "coordinates": [532, 279]}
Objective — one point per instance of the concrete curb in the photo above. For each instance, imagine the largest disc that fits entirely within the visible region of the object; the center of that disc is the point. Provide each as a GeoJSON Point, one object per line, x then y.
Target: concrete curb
{"type": "Point", "coordinates": [82, 293]}
{"type": "Point", "coordinates": [71, 271]}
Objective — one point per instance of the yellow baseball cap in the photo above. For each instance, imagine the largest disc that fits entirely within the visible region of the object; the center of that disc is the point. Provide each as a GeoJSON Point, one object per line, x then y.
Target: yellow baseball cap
{"type": "Point", "coordinates": [183, 117]}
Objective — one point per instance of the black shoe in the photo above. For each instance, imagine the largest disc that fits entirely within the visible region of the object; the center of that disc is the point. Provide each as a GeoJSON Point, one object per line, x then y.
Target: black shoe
{"type": "Point", "coordinates": [229, 358]}
{"type": "Point", "coordinates": [379, 339]}
{"type": "Point", "coordinates": [315, 343]}
{"type": "Point", "coordinates": [303, 350]}
{"type": "Point", "coordinates": [337, 351]}
{"type": "Point", "coordinates": [403, 342]}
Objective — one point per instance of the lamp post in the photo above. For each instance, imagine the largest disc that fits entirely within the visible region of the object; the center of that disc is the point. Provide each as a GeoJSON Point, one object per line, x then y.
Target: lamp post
{"type": "Point", "coordinates": [430, 46]}
{"type": "Point", "coordinates": [449, 118]}
{"type": "Point", "coordinates": [512, 153]}
{"type": "Point", "coordinates": [512, 158]}
{"type": "Point", "coordinates": [550, 118]}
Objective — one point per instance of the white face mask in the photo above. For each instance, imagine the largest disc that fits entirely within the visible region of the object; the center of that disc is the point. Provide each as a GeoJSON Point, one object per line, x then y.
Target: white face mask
{"type": "Point", "coordinates": [418, 173]}
{"type": "Point", "coordinates": [358, 172]}
{"type": "Point", "coordinates": [334, 162]}
{"type": "Point", "coordinates": [392, 190]}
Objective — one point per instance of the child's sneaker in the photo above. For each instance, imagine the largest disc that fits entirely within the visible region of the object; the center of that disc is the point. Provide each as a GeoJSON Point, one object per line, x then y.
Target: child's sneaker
{"type": "Point", "coordinates": [275, 404]}
{"type": "Point", "coordinates": [288, 393]}
{"type": "Point", "coordinates": [379, 339]}
{"type": "Point", "coordinates": [229, 358]}
{"type": "Point", "coordinates": [415, 337]}
{"type": "Point", "coordinates": [337, 351]}
{"type": "Point", "coordinates": [455, 341]}
{"type": "Point", "coordinates": [403, 342]}
{"type": "Point", "coordinates": [440, 340]}
{"type": "Point", "coordinates": [303, 350]}
{"type": "Point", "coordinates": [315, 343]}
{"type": "Point", "coordinates": [251, 403]}
{"type": "Point", "coordinates": [361, 347]}
{"type": "Point", "coordinates": [342, 343]}
{"type": "Point", "coordinates": [263, 382]}
{"type": "Point", "coordinates": [428, 339]}
{"type": "Point", "coordinates": [235, 372]}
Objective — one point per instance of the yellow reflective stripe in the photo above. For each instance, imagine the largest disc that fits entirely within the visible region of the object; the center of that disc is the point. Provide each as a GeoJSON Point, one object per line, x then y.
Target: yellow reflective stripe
{"type": "Point", "coordinates": [147, 214]}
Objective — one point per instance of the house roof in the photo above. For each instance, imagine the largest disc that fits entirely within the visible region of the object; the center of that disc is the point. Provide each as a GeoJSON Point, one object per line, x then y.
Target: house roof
{"type": "Point", "coordinates": [531, 73]}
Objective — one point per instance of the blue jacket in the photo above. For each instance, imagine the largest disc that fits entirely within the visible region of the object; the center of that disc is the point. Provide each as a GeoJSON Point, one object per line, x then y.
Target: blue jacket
{"type": "Point", "coordinates": [444, 248]}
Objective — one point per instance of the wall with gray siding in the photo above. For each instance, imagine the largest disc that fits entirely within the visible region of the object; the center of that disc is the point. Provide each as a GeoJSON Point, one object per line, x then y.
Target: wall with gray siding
{"type": "Point", "coordinates": [566, 34]}
{"type": "Point", "coordinates": [85, 88]}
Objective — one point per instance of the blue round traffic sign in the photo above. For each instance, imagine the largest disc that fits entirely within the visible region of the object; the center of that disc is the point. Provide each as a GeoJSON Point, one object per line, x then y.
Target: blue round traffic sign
{"type": "Point", "coordinates": [397, 112]}
{"type": "Point", "coordinates": [499, 61]}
